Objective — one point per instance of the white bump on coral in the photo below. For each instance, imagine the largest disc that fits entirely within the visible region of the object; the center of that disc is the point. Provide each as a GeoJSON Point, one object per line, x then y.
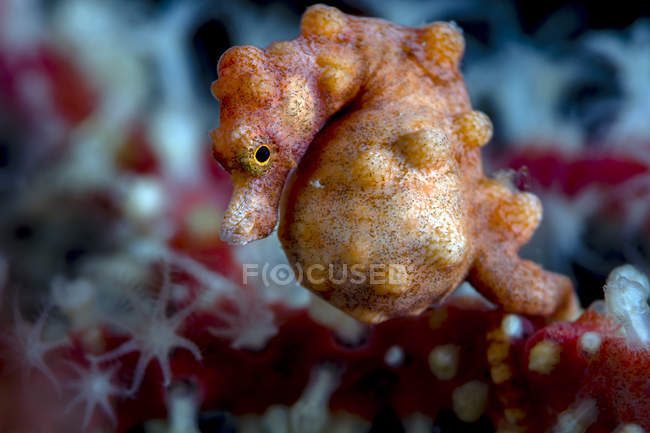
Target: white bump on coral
{"type": "Point", "coordinates": [577, 418]}
{"type": "Point", "coordinates": [512, 326]}
{"type": "Point", "coordinates": [443, 361]}
{"type": "Point", "coordinates": [394, 356]}
{"type": "Point", "coordinates": [470, 400]}
{"type": "Point", "coordinates": [544, 356]}
{"type": "Point", "coordinates": [310, 413]}
{"type": "Point", "coordinates": [590, 342]}
{"type": "Point", "coordinates": [626, 298]}
{"type": "Point", "coordinates": [94, 388]}
{"type": "Point", "coordinates": [145, 200]}
{"type": "Point", "coordinates": [629, 428]}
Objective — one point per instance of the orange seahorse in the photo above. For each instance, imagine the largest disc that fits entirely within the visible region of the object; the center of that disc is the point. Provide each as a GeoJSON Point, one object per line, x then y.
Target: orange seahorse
{"type": "Point", "coordinates": [361, 135]}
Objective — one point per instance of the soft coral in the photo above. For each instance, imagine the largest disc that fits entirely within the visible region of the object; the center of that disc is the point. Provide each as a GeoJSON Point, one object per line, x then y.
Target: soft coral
{"type": "Point", "coordinates": [27, 348]}
{"type": "Point", "coordinates": [155, 335]}
{"type": "Point", "coordinates": [94, 387]}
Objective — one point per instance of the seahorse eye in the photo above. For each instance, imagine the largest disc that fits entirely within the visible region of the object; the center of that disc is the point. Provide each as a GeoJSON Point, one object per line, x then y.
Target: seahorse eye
{"type": "Point", "coordinates": [262, 154]}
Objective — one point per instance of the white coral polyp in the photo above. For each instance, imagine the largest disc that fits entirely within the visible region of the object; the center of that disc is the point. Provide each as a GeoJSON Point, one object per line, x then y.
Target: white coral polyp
{"type": "Point", "coordinates": [250, 327]}
{"type": "Point", "coordinates": [626, 298]}
{"type": "Point", "coordinates": [155, 336]}
{"type": "Point", "coordinates": [94, 387]}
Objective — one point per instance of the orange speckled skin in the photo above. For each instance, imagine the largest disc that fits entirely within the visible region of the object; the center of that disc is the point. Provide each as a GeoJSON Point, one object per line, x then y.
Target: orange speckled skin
{"type": "Point", "coordinates": [376, 119]}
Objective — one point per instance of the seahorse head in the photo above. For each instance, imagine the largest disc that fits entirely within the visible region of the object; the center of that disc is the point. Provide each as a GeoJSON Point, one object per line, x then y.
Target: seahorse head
{"type": "Point", "coordinates": [268, 117]}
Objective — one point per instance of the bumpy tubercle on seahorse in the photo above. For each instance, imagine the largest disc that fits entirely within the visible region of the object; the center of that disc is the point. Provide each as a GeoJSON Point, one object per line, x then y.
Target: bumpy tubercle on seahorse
{"type": "Point", "coordinates": [361, 135]}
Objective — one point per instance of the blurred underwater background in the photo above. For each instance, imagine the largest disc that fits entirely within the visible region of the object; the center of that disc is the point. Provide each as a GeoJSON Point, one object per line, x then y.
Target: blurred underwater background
{"type": "Point", "coordinates": [114, 283]}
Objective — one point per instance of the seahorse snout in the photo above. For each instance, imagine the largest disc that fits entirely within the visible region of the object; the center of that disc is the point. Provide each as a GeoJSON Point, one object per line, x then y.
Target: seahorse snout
{"type": "Point", "coordinates": [251, 215]}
